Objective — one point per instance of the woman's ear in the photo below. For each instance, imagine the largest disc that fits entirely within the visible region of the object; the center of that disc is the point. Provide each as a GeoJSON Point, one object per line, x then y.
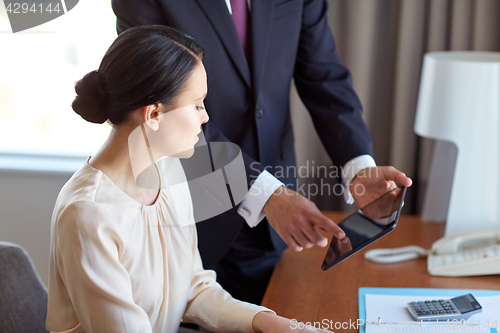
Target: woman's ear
{"type": "Point", "coordinates": [151, 115]}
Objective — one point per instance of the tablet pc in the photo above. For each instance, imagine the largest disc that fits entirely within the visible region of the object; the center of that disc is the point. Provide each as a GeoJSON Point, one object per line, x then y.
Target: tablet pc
{"type": "Point", "coordinates": [365, 226]}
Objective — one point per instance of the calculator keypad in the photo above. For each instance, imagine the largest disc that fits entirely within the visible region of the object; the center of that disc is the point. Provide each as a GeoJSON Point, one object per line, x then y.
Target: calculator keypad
{"type": "Point", "coordinates": [435, 307]}
{"type": "Point", "coordinates": [445, 309]}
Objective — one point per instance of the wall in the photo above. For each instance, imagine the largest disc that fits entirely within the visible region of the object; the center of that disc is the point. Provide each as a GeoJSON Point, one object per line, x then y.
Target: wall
{"type": "Point", "coordinates": [26, 202]}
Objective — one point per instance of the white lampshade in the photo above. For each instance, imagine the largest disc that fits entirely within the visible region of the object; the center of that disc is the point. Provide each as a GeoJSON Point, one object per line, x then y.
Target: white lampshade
{"type": "Point", "coordinates": [459, 102]}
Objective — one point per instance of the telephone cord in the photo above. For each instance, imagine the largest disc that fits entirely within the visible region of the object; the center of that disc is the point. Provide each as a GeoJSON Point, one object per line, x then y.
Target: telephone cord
{"type": "Point", "coordinates": [387, 256]}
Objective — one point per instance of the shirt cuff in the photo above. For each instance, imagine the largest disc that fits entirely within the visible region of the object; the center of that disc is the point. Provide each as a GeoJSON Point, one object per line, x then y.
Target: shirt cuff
{"type": "Point", "coordinates": [351, 169]}
{"type": "Point", "coordinates": [251, 208]}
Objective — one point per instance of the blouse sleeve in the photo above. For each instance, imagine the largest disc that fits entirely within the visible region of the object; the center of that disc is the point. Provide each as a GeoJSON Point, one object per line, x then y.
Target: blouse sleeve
{"type": "Point", "coordinates": [214, 308]}
{"type": "Point", "coordinates": [89, 246]}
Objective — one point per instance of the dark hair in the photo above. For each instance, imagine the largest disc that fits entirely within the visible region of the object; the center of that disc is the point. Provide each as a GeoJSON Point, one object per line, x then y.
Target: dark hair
{"type": "Point", "coordinates": [143, 66]}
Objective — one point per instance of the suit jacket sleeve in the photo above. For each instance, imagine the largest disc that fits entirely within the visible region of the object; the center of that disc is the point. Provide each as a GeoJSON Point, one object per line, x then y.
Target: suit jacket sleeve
{"type": "Point", "coordinates": [325, 87]}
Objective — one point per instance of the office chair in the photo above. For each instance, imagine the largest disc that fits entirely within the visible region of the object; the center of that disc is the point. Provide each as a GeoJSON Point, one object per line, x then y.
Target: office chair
{"type": "Point", "coordinates": [23, 297]}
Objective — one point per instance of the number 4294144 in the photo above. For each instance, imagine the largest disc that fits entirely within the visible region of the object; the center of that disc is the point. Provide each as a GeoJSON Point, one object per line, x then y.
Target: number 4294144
{"type": "Point", "coordinates": [455, 324]}
{"type": "Point", "coordinates": [24, 8]}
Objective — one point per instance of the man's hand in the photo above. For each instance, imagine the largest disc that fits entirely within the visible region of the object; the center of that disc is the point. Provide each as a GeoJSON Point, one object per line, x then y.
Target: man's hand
{"type": "Point", "coordinates": [371, 183]}
{"type": "Point", "coordinates": [267, 322]}
{"type": "Point", "coordinates": [294, 218]}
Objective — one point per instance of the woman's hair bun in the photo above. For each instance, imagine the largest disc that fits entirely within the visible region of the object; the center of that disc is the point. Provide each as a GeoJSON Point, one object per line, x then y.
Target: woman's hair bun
{"type": "Point", "coordinates": [91, 101]}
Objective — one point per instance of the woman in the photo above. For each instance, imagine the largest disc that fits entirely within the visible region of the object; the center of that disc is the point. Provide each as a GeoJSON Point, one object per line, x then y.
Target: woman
{"type": "Point", "coordinates": [124, 256]}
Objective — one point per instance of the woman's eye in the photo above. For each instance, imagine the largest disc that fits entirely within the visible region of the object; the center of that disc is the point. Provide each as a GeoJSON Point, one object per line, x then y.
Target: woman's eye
{"type": "Point", "coordinates": [200, 107]}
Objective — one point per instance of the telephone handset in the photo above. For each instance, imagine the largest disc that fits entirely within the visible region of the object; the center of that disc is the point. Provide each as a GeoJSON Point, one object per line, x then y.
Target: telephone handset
{"type": "Point", "coordinates": [466, 254]}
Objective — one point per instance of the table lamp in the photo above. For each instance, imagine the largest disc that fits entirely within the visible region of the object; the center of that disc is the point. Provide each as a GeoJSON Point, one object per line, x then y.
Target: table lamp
{"type": "Point", "coordinates": [459, 103]}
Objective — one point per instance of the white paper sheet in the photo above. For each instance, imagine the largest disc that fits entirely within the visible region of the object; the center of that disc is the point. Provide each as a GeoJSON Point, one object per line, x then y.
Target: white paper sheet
{"type": "Point", "coordinates": [395, 318]}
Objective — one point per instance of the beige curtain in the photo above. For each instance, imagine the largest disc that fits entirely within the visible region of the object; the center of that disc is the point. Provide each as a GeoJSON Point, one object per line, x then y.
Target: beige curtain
{"type": "Point", "coordinates": [383, 42]}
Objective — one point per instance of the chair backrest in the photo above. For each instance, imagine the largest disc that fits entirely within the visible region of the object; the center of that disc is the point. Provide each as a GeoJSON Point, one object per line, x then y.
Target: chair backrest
{"type": "Point", "coordinates": [23, 297]}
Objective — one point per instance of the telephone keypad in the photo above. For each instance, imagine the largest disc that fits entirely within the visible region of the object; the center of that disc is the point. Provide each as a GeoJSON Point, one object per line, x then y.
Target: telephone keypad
{"type": "Point", "coordinates": [464, 256]}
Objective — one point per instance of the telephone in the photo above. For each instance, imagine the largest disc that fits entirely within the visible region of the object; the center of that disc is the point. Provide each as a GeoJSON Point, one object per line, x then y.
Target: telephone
{"type": "Point", "coordinates": [466, 254]}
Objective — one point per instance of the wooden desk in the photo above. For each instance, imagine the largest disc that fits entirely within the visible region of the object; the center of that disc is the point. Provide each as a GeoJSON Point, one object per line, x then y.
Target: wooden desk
{"type": "Point", "coordinates": [300, 290]}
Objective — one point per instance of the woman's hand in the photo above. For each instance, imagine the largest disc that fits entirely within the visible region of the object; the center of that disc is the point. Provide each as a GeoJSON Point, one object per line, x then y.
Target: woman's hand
{"type": "Point", "coordinates": [267, 322]}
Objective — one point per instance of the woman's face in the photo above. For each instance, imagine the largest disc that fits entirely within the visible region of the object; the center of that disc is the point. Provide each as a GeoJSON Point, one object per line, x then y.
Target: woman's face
{"type": "Point", "coordinates": [178, 127]}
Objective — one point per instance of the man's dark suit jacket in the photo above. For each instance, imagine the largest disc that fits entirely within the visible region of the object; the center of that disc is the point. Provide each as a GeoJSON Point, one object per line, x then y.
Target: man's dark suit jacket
{"type": "Point", "coordinates": [248, 101]}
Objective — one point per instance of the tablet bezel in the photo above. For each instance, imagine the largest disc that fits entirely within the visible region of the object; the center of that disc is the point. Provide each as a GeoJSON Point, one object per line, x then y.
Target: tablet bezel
{"type": "Point", "coordinates": [382, 233]}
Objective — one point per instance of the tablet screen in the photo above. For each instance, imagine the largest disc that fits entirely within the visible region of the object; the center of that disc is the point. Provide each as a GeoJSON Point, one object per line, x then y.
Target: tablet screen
{"type": "Point", "coordinates": [365, 226]}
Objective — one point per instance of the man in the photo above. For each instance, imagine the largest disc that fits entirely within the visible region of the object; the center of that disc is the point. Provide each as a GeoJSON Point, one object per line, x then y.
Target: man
{"type": "Point", "coordinates": [253, 50]}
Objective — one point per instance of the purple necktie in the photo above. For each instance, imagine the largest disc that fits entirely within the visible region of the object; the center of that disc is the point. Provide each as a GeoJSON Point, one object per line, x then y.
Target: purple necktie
{"type": "Point", "coordinates": [241, 21]}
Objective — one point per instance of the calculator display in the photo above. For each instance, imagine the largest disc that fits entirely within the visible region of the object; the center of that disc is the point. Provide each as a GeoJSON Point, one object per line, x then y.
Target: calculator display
{"type": "Point", "coordinates": [462, 304]}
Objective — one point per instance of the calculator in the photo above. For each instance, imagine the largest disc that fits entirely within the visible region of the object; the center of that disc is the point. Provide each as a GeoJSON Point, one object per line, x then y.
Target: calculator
{"type": "Point", "coordinates": [458, 308]}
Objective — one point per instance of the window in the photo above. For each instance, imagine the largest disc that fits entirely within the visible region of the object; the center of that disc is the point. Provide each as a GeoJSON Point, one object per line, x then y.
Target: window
{"type": "Point", "coordinates": [39, 67]}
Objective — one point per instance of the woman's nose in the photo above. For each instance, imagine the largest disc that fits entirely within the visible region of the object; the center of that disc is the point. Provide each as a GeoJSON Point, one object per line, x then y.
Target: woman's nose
{"type": "Point", "coordinates": [204, 117]}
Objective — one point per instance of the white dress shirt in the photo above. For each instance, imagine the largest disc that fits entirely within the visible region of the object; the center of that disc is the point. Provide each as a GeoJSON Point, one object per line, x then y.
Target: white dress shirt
{"type": "Point", "coordinates": [251, 208]}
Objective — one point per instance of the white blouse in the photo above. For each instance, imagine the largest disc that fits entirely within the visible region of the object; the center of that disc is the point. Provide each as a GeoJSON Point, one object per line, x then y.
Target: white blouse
{"type": "Point", "coordinates": [119, 266]}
